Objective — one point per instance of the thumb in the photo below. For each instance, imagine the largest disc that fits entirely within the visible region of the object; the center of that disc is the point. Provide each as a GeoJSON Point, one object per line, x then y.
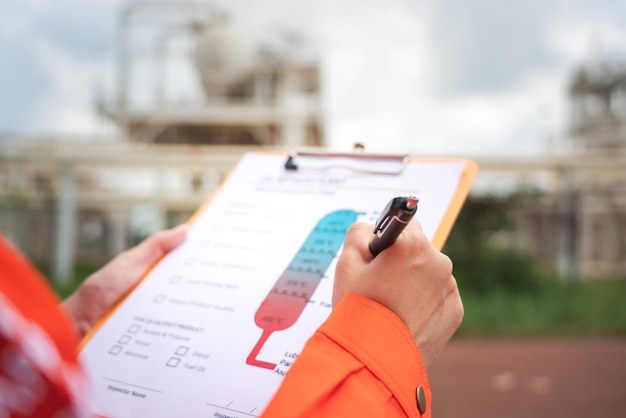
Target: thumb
{"type": "Point", "coordinates": [356, 245]}
{"type": "Point", "coordinates": [157, 245]}
{"type": "Point", "coordinates": [353, 258]}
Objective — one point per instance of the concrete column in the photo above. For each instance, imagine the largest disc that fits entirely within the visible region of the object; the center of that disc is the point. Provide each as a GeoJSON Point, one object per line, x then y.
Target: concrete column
{"type": "Point", "coordinates": [294, 132]}
{"type": "Point", "coordinates": [567, 263]}
{"type": "Point", "coordinates": [118, 231]}
{"type": "Point", "coordinates": [160, 196]}
{"type": "Point", "coordinates": [65, 237]}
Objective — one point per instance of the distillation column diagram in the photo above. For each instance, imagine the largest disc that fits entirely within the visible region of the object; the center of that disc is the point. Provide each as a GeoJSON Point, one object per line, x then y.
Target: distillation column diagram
{"type": "Point", "coordinates": [293, 289]}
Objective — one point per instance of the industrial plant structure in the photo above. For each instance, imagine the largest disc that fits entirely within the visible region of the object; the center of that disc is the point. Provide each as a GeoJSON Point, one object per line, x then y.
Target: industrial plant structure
{"type": "Point", "coordinates": [93, 199]}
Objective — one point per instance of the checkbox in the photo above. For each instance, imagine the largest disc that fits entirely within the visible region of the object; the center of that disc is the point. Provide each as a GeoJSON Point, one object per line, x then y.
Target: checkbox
{"type": "Point", "coordinates": [175, 279]}
{"type": "Point", "coordinates": [181, 351]}
{"type": "Point", "coordinates": [159, 298]}
{"type": "Point", "coordinates": [124, 339]}
{"type": "Point", "coordinates": [173, 361]}
{"type": "Point", "coordinates": [115, 350]}
{"type": "Point", "coordinates": [134, 329]}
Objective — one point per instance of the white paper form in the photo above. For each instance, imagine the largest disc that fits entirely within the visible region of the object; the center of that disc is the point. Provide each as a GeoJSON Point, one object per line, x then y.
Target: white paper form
{"type": "Point", "coordinates": [213, 328]}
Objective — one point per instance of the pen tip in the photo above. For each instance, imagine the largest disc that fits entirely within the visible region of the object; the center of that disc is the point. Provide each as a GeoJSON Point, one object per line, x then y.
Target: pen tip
{"type": "Point", "coordinates": [411, 202]}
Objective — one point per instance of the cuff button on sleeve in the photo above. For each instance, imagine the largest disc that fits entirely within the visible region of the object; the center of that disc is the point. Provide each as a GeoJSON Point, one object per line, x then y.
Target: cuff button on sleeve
{"type": "Point", "coordinates": [420, 397]}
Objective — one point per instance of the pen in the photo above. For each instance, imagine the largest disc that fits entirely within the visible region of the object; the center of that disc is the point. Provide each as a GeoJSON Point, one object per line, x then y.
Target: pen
{"type": "Point", "coordinates": [394, 218]}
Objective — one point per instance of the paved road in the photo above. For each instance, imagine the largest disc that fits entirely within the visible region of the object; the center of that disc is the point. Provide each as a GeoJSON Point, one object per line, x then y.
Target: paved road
{"type": "Point", "coordinates": [530, 378]}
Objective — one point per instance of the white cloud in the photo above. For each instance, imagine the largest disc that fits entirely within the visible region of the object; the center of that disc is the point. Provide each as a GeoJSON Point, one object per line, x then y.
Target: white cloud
{"type": "Point", "coordinates": [495, 123]}
{"type": "Point", "coordinates": [384, 62]}
{"type": "Point", "coordinates": [74, 81]}
{"type": "Point", "coordinates": [578, 38]}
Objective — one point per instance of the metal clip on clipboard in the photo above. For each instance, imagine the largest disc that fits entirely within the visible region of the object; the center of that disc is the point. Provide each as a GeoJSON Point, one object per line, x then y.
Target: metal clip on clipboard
{"type": "Point", "coordinates": [358, 162]}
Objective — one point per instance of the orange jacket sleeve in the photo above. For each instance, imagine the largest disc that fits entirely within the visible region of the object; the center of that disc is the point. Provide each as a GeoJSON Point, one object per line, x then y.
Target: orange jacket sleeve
{"type": "Point", "coordinates": [39, 374]}
{"type": "Point", "coordinates": [361, 362]}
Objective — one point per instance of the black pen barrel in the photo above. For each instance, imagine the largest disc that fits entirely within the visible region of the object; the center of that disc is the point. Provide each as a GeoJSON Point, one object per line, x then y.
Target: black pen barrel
{"type": "Point", "coordinates": [396, 216]}
{"type": "Point", "coordinates": [389, 236]}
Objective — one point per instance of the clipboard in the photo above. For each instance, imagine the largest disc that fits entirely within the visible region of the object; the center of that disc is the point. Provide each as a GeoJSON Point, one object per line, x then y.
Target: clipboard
{"type": "Point", "coordinates": [379, 164]}
{"type": "Point", "coordinates": [390, 165]}
{"type": "Point", "coordinates": [207, 323]}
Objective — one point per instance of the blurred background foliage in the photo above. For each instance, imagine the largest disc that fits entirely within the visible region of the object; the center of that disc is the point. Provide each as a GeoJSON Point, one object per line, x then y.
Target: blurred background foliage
{"type": "Point", "coordinates": [506, 294]}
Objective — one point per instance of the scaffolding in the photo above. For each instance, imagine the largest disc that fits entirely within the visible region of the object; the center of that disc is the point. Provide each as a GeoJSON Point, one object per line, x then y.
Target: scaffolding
{"type": "Point", "coordinates": [266, 94]}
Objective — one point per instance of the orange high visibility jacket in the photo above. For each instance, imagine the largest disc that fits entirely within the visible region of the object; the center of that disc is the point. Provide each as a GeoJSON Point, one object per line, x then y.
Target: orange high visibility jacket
{"type": "Point", "coordinates": [362, 362]}
{"type": "Point", "coordinates": [40, 376]}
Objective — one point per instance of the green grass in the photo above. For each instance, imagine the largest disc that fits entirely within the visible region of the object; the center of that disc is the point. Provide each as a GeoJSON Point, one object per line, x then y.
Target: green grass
{"type": "Point", "coordinates": [595, 308]}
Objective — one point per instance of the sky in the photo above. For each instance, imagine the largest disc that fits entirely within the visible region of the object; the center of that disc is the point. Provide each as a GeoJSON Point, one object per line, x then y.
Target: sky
{"type": "Point", "coordinates": [420, 76]}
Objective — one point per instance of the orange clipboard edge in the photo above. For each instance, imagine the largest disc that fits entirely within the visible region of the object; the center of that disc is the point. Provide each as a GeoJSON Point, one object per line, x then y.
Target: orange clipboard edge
{"type": "Point", "coordinates": [461, 193]}
{"type": "Point", "coordinates": [471, 168]}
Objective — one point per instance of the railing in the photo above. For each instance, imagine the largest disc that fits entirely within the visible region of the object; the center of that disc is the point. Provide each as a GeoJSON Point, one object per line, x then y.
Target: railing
{"type": "Point", "coordinates": [76, 188]}
{"type": "Point", "coordinates": [59, 181]}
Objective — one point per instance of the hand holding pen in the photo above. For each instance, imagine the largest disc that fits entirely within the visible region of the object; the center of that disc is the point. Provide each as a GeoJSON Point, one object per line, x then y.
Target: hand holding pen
{"type": "Point", "coordinates": [415, 282]}
{"type": "Point", "coordinates": [394, 218]}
